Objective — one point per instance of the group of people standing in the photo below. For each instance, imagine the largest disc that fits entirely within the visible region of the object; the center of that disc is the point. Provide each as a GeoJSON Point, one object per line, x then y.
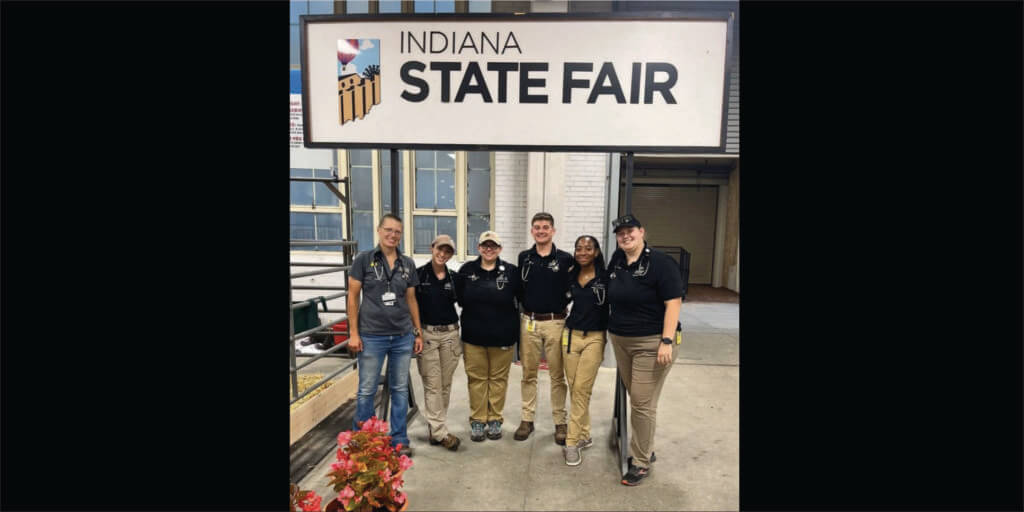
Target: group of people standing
{"type": "Point", "coordinates": [405, 310]}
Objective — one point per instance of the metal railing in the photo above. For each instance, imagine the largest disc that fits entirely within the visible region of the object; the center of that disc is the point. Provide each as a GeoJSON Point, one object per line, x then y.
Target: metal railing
{"type": "Point", "coordinates": [682, 256]}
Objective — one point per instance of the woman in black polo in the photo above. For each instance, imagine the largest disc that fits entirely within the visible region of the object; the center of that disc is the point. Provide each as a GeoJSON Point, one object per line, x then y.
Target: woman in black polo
{"type": "Point", "coordinates": [486, 289]}
{"type": "Point", "coordinates": [645, 291]}
{"type": "Point", "coordinates": [583, 340]}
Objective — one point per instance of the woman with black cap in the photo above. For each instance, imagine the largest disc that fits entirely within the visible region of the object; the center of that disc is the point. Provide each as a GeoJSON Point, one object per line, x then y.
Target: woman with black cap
{"type": "Point", "coordinates": [583, 340]}
{"type": "Point", "coordinates": [486, 289]}
{"type": "Point", "coordinates": [645, 290]}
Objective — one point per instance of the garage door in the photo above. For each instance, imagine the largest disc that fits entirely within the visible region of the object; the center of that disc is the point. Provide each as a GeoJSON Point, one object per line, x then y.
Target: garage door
{"type": "Point", "coordinates": [679, 215]}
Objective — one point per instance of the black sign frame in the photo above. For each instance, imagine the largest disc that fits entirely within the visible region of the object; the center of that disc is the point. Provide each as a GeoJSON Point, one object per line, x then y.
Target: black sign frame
{"type": "Point", "coordinates": [703, 15]}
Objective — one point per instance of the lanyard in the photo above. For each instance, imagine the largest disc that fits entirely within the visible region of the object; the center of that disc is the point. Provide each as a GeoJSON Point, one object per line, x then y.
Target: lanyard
{"type": "Point", "coordinates": [383, 263]}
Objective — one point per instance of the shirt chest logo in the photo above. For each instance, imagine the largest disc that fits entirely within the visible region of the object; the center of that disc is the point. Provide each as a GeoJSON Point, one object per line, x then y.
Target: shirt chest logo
{"type": "Point", "coordinates": [447, 286]}
{"type": "Point", "coordinates": [473, 277]}
{"type": "Point", "coordinates": [553, 266]}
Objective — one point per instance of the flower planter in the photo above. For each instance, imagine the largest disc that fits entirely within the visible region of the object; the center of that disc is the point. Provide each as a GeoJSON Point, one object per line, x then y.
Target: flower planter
{"type": "Point", "coordinates": [335, 506]}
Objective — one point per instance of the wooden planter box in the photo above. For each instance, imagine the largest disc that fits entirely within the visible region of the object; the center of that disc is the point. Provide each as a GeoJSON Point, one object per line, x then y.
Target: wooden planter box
{"type": "Point", "coordinates": [314, 410]}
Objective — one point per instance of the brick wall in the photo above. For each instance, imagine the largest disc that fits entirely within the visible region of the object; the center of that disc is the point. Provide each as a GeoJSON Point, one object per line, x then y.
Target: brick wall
{"type": "Point", "coordinates": [510, 220]}
{"type": "Point", "coordinates": [585, 199]}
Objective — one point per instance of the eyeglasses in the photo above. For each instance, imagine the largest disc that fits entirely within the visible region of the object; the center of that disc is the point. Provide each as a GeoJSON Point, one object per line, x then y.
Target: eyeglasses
{"type": "Point", "coordinates": [391, 231]}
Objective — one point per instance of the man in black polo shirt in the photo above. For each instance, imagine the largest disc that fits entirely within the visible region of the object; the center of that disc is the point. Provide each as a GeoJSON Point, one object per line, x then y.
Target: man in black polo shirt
{"type": "Point", "coordinates": [545, 279]}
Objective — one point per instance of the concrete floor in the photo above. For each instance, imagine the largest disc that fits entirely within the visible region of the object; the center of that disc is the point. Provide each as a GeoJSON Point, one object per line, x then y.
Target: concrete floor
{"type": "Point", "coordinates": [697, 441]}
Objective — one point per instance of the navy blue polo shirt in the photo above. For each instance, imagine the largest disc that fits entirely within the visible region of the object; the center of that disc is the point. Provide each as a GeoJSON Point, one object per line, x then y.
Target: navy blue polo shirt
{"type": "Point", "coordinates": [637, 292]}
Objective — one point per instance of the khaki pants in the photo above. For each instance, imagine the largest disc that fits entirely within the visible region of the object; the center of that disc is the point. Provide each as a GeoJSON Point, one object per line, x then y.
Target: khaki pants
{"type": "Point", "coordinates": [437, 363]}
{"type": "Point", "coordinates": [546, 334]}
{"type": "Point", "coordinates": [581, 365]}
{"type": "Point", "coordinates": [487, 370]}
{"type": "Point", "coordinates": [637, 361]}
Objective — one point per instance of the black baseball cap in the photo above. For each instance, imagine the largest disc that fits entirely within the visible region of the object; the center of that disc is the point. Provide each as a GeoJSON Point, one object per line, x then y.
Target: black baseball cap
{"type": "Point", "coordinates": [627, 220]}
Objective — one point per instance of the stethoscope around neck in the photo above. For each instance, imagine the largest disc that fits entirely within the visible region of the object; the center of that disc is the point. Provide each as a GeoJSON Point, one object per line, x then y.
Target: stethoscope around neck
{"type": "Point", "coordinates": [380, 272]}
{"type": "Point", "coordinates": [643, 263]}
{"type": "Point", "coordinates": [500, 280]}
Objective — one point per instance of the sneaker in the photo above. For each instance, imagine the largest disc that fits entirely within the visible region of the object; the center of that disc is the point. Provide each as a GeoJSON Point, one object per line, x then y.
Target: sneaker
{"type": "Point", "coordinates": [477, 433]}
{"type": "Point", "coordinates": [629, 460]}
{"type": "Point", "coordinates": [573, 456]}
{"type": "Point", "coordinates": [450, 442]}
{"type": "Point", "coordinates": [524, 430]}
{"type": "Point", "coordinates": [561, 431]}
{"type": "Point", "coordinates": [584, 443]}
{"type": "Point", "coordinates": [405, 450]}
{"type": "Point", "coordinates": [635, 475]}
{"type": "Point", "coordinates": [494, 430]}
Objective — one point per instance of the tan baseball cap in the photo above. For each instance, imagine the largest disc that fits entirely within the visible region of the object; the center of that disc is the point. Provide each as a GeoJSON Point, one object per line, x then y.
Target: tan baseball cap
{"type": "Point", "coordinates": [443, 240]}
{"type": "Point", "coordinates": [489, 235]}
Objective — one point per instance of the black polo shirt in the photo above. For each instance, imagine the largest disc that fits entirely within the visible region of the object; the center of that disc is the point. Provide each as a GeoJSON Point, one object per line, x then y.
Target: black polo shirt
{"type": "Point", "coordinates": [637, 292]}
{"type": "Point", "coordinates": [490, 316]}
{"type": "Point", "coordinates": [589, 302]}
{"type": "Point", "coordinates": [436, 298]}
{"type": "Point", "coordinates": [545, 280]}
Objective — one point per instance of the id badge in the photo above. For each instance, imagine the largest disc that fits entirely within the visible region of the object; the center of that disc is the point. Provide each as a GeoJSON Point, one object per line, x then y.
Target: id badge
{"type": "Point", "coordinates": [679, 337]}
{"type": "Point", "coordinates": [529, 325]}
{"type": "Point", "coordinates": [565, 337]}
{"type": "Point", "coordinates": [388, 299]}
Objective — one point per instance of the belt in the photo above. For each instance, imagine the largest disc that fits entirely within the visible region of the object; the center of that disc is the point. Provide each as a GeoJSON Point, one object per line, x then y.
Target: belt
{"type": "Point", "coordinates": [442, 328]}
{"type": "Point", "coordinates": [545, 316]}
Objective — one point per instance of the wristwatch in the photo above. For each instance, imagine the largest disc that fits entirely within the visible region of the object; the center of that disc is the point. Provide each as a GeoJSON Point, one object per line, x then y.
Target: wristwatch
{"type": "Point", "coordinates": [416, 331]}
{"type": "Point", "coordinates": [666, 341]}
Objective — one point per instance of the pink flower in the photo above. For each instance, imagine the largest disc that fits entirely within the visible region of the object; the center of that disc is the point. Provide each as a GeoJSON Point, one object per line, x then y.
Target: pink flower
{"type": "Point", "coordinates": [311, 503]}
{"type": "Point", "coordinates": [345, 495]}
{"type": "Point", "coordinates": [386, 474]}
{"type": "Point", "coordinates": [396, 483]}
{"type": "Point", "coordinates": [338, 466]}
{"type": "Point", "coordinates": [400, 498]}
{"type": "Point", "coordinates": [404, 462]}
{"type": "Point", "coordinates": [344, 438]}
{"type": "Point", "coordinates": [374, 425]}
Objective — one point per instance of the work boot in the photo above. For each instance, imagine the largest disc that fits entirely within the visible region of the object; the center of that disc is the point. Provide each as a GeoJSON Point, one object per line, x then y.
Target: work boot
{"type": "Point", "coordinates": [450, 442]}
{"type": "Point", "coordinates": [494, 430]}
{"type": "Point", "coordinates": [524, 430]}
{"type": "Point", "coordinates": [561, 431]}
{"type": "Point", "coordinates": [477, 433]}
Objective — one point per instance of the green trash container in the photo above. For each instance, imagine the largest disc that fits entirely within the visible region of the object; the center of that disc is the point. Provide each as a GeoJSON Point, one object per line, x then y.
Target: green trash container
{"type": "Point", "coordinates": [305, 317]}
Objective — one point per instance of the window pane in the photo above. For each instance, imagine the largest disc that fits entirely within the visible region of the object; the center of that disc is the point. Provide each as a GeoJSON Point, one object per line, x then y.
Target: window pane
{"type": "Point", "coordinates": [357, 6]}
{"type": "Point", "coordinates": [390, 6]}
{"type": "Point", "coordinates": [446, 190]}
{"type": "Point", "coordinates": [477, 224]}
{"type": "Point", "coordinates": [324, 197]}
{"type": "Point", "coordinates": [423, 233]}
{"type": "Point", "coordinates": [294, 50]}
{"type": "Point", "coordinates": [362, 228]}
{"type": "Point", "coordinates": [302, 191]}
{"type": "Point", "coordinates": [424, 6]}
{"type": "Point", "coordinates": [424, 159]}
{"type": "Point", "coordinates": [425, 187]}
{"type": "Point", "coordinates": [479, 160]}
{"type": "Point", "coordinates": [361, 188]}
{"type": "Point", "coordinates": [445, 159]}
{"type": "Point", "coordinates": [360, 157]}
{"type": "Point", "coordinates": [427, 227]}
{"type": "Point", "coordinates": [446, 225]}
{"type": "Point", "coordinates": [479, 191]}
{"type": "Point", "coordinates": [301, 228]}
{"type": "Point", "coordinates": [444, 6]}
{"type": "Point", "coordinates": [479, 5]}
{"type": "Point", "coordinates": [297, 7]}
{"type": "Point", "coordinates": [385, 181]}
{"type": "Point", "coordinates": [325, 6]}
{"type": "Point", "coordinates": [328, 227]}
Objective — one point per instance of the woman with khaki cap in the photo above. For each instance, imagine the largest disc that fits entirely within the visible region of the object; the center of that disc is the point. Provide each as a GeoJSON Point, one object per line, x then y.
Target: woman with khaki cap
{"type": "Point", "coordinates": [645, 290]}
{"type": "Point", "coordinates": [441, 346]}
{"type": "Point", "coordinates": [486, 289]}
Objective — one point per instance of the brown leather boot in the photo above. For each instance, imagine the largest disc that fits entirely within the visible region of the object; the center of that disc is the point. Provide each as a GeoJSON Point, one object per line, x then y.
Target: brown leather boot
{"type": "Point", "coordinates": [561, 431]}
{"type": "Point", "coordinates": [451, 442]}
{"type": "Point", "coordinates": [524, 430]}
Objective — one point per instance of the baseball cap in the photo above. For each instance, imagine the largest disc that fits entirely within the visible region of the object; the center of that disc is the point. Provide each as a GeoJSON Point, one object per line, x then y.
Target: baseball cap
{"type": "Point", "coordinates": [443, 240]}
{"type": "Point", "coordinates": [489, 235]}
{"type": "Point", "coordinates": [627, 220]}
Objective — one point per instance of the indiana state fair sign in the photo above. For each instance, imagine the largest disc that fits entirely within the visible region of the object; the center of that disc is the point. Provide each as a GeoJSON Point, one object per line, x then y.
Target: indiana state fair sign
{"type": "Point", "coordinates": [533, 82]}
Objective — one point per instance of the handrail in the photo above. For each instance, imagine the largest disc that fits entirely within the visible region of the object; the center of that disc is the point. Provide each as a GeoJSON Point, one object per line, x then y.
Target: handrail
{"type": "Point", "coordinates": [314, 300]}
{"type": "Point", "coordinates": [319, 272]}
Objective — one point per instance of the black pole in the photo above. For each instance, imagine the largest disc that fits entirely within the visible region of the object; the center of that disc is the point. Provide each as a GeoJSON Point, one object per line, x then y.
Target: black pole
{"type": "Point", "coordinates": [394, 182]}
{"type": "Point", "coordinates": [629, 183]}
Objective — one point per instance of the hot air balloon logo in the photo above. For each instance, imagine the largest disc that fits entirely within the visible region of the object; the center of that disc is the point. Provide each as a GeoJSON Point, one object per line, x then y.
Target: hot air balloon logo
{"type": "Point", "coordinates": [358, 78]}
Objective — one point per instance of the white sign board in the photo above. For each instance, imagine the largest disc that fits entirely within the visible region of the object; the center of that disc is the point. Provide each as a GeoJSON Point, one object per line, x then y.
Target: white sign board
{"type": "Point", "coordinates": [301, 157]}
{"type": "Point", "coordinates": [519, 83]}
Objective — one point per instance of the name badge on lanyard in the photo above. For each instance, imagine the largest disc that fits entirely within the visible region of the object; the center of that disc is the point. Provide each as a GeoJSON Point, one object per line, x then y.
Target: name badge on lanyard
{"type": "Point", "coordinates": [388, 298]}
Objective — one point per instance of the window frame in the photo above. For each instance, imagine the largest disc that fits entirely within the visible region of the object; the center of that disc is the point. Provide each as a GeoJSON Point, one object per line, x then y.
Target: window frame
{"type": "Point", "coordinates": [341, 166]}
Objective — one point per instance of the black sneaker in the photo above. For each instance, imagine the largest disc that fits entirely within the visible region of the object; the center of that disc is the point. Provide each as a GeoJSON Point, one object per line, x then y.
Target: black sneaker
{"type": "Point", "coordinates": [629, 460]}
{"type": "Point", "coordinates": [494, 430]}
{"type": "Point", "coordinates": [635, 475]}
